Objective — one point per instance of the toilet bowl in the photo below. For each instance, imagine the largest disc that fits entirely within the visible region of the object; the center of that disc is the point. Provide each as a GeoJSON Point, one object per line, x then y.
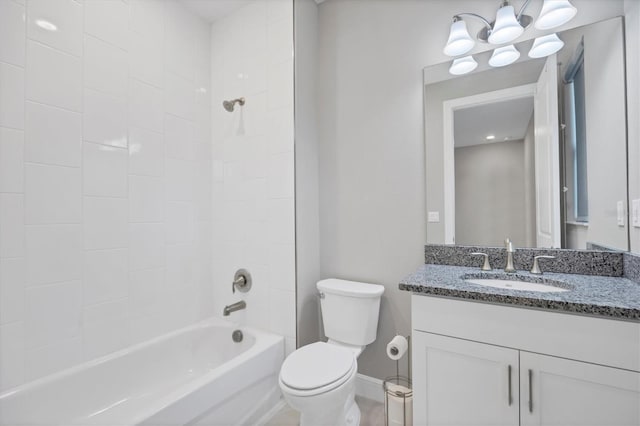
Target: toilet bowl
{"type": "Point", "coordinates": [318, 380]}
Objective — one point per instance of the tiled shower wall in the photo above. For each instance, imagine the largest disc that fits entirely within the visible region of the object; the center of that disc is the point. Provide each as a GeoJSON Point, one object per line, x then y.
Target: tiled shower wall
{"type": "Point", "coordinates": [253, 164]}
{"type": "Point", "coordinates": [105, 178]}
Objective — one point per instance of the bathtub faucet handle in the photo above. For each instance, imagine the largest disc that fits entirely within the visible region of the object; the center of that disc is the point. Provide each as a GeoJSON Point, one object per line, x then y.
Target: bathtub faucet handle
{"type": "Point", "coordinates": [241, 281]}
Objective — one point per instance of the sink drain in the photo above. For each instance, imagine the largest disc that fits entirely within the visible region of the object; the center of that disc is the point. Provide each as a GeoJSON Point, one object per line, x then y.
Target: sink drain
{"type": "Point", "coordinates": [237, 336]}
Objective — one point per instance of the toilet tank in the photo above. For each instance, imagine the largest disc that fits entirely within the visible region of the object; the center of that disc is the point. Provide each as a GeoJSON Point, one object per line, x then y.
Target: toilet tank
{"type": "Point", "coordinates": [350, 310]}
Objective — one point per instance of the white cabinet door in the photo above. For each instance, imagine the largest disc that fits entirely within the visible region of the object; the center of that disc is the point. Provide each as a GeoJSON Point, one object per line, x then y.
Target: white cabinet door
{"type": "Point", "coordinates": [560, 392]}
{"type": "Point", "coordinates": [462, 383]}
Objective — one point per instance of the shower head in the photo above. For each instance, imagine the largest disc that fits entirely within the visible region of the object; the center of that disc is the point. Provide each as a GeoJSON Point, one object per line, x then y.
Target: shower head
{"type": "Point", "coordinates": [230, 105]}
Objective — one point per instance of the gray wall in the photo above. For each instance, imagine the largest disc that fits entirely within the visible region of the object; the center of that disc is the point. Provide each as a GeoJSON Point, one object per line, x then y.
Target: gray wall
{"type": "Point", "coordinates": [371, 153]}
{"type": "Point", "coordinates": [306, 158]}
{"type": "Point", "coordinates": [490, 194]}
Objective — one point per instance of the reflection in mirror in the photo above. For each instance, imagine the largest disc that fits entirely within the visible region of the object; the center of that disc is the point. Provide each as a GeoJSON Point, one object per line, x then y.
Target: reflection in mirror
{"type": "Point", "coordinates": [535, 151]}
{"type": "Point", "coordinates": [493, 146]}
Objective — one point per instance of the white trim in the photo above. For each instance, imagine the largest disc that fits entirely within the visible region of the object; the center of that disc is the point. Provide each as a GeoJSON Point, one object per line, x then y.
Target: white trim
{"type": "Point", "coordinates": [264, 419]}
{"type": "Point", "coordinates": [448, 109]}
{"type": "Point", "coordinates": [369, 387]}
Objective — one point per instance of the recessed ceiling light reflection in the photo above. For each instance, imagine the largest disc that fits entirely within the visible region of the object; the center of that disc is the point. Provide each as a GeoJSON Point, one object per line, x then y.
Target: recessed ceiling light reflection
{"type": "Point", "coordinates": [46, 25]}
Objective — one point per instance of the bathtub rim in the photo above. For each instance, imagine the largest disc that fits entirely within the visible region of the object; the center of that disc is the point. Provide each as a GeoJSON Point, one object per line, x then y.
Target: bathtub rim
{"type": "Point", "coordinates": [263, 341]}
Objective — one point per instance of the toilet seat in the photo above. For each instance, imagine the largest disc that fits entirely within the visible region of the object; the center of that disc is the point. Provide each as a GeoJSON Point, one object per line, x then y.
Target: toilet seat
{"type": "Point", "coordinates": [317, 368]}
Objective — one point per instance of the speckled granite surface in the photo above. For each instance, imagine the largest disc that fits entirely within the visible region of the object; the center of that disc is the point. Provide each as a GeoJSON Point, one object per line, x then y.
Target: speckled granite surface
{"type": "Point", "coordinates": [632, 266]}
{"type": "Point", "coordinates": [610, 297]}
{"type": "Point", "coordinates": [584, 262]}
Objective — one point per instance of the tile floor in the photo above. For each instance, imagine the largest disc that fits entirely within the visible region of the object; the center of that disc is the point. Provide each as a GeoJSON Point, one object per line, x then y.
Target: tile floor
{"type": "Point", "coordinates": [372, 414]}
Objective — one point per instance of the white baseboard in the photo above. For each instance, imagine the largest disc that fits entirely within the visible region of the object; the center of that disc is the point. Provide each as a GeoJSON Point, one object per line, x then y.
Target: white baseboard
{"type": "Point", "coordinates": [369, 387]}
{"type": "Point", "coordinates": [264, 419]}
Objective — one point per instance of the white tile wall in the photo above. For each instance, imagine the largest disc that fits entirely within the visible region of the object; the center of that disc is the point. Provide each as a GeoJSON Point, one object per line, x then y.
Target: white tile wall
{"type": "Point", "coordinates": [253, 169]}
{"type": "Point", "coordinates": [52, 194]}
{"type": "Point", "coordinates": [104, 119]}
{"type": "Point", "coordinates": [11, 160]}
{"type": "Point", "coordinates": [101, 221]}
{"type": "Point", "coordinates": [53, 77]}
{"type": "Point", "coordinates": [66, 15]}
{"type": "Point", "coordinates": [53, 136]}
{"type": "Point", "coordinates": [12, 33]}
{"type": "Point", "coordinates": [12, 100]}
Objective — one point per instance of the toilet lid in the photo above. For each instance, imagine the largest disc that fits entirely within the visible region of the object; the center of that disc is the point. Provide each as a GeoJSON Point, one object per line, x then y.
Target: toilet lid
{"type": "Point", "coordinates": [316, 365]}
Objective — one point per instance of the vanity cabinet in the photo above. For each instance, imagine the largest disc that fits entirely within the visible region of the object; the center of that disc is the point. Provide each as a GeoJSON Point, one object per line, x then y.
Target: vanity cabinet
{"type": "Point", "coordinates": [481, 364]}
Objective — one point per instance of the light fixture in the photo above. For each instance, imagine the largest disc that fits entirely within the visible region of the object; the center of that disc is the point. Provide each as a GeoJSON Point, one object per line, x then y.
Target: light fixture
{"type": "Point", "coordinates": [463, 65]}
{"type": "Point", "coordinates": [504, 56]}
{"type": "Point", "coordinates": [555, 13]}
{"type": "Point", "coordinates": [506, 28]}
{"type": "Point", "coordinates": [545, 46]}
{"type": "Point", "coordinates": [459, 42]}
{"type": "Point", "coordinates": [490, 137]}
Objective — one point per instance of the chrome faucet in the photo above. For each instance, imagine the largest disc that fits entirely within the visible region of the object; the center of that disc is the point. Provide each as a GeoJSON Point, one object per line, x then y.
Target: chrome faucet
{"type": "Point", "coordinates": [535, 269]}
{"type": "Point", "coordinates": [234, 307]}
{"type": "Point", "coordinates": [510, 250]}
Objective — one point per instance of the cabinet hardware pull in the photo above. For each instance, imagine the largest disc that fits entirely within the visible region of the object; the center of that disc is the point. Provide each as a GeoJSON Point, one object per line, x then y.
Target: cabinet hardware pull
{"type": "Point", "coordinates": [509, 380]}
{"type": "Point", "coordinates": [530, 391]}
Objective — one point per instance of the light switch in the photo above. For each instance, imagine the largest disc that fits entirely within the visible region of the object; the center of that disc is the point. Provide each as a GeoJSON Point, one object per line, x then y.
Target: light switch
{"type": "Point", "coordinates": [620, 206]}
{"type": "Point", "coordinates": [433, 217]}
{"type": "Point", "coordinates": [635, 213]}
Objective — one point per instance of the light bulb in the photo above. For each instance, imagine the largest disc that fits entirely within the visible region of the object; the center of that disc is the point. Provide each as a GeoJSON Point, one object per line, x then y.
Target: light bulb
{"type": "Point", "coordinates": [463, 65]}
{"type": "Point", "coordinates": [504, 56]}
{"type": "Point", "coordinates": [506, 28]}
{"type": "Point", "coordinates": [555, 13]}
{"type": "Point", "coordinates": [459, 42]}
{"type": "Point", "coordinates": [545, 46]}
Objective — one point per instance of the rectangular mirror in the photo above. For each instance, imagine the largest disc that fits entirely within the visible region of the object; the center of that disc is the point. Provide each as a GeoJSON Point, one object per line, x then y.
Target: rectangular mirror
{"type": "Point", "coordinates": [536, 150]}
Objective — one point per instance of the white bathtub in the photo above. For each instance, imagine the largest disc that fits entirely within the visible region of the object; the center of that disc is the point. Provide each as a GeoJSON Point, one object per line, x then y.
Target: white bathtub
{"type": "Point", "coordinates": [193, 376]}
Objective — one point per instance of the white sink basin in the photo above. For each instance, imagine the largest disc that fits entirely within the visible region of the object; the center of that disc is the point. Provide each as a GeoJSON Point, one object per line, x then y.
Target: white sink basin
{"type": "Point", "coordinates": [516, 285]}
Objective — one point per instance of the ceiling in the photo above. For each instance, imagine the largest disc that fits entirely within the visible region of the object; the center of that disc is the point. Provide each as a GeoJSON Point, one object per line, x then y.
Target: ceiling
{"type": "Point", "coordinates": [212, 10]}
{"type": "Point", "coordinates": [505, 119]}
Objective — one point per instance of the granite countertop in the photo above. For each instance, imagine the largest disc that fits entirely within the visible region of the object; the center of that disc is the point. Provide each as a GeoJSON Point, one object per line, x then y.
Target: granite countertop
{"type": "Point", "coordinates": [608, 297]}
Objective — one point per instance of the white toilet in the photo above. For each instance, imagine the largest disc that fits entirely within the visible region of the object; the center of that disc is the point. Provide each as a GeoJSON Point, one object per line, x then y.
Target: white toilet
{"type": "Point", "coordinates": [318, 380]}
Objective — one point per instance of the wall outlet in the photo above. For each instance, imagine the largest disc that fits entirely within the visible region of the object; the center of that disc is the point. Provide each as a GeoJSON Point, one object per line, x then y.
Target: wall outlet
{"type": "Point", "coordinates": [635, 213]}
{"type": "Point", "coordinates": [433, 217]}
{"type": "Point", "coordinates": [620, 208]}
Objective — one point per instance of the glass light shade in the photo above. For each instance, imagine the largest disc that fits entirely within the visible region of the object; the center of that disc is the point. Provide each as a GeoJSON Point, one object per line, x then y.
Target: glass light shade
{"type": "Point", "coordinates": [506, 28]}
{"type": "Point", "coordinates": [504, 56]}
{"type": "Point", "coordinates": [545, 46]}
{"type": "Point", "coordinates": [460, 42]}
{"type": "Point", "coordinates": [555, 13]}
{"type": "Point", "coordinates": [463, 65]}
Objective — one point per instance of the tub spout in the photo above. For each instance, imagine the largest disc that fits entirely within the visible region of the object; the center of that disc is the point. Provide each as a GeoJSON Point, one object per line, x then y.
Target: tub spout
{"type": "Point", "coordinates": [234, 307]}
